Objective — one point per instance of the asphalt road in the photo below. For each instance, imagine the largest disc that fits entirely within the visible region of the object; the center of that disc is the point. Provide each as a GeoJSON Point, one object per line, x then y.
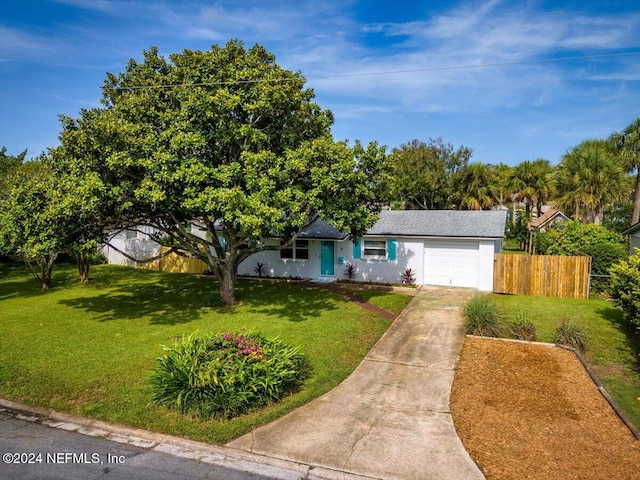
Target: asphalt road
{"type": "Point", "coordinates": [32, 451]}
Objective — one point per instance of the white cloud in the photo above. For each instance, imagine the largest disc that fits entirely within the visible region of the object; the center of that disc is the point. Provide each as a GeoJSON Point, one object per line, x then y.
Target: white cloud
{"type": "Point", "coordinates": [20, 44]}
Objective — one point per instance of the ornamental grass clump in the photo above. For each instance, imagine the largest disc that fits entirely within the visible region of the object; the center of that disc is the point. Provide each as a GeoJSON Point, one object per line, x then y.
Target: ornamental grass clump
{"type": "Point", "coordinates": [522, 328]}
{"type": "Point", "coordinates": [481, 317]}
{"type": "Point", "coordinates": [571, 335]}
{"type": "Point", "coordinates": [227, 374]}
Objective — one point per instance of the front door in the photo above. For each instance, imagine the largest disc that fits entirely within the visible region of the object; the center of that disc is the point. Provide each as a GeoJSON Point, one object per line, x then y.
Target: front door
{"type": "Point", "coordinates": [327, 252]}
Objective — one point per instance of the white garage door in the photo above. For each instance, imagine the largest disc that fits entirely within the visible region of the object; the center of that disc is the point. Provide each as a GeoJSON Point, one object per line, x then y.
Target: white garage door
{"type": "Point", "coordinates": [451, 263]}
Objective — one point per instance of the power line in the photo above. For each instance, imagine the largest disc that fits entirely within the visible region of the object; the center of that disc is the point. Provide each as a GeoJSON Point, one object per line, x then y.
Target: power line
{"type": "Point", "coordinates": [345, 75]}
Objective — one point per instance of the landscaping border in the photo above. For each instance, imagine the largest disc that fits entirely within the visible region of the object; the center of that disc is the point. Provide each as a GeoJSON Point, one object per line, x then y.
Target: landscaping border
{"type": "Point", "coordinates": [594, 378]}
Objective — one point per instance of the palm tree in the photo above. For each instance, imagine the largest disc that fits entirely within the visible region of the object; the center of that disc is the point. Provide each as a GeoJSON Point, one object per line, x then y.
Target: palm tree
{"type": "Point", "coordinates": [627, 144]}
{"type": "Point", "coordinates": [589, 178]}
{"type": "Point", "coordinates": [501, 174]}
{"type": "Point", "coordinates": [531, 184]}
{"type": "Point", "coordinates": [474, 187]}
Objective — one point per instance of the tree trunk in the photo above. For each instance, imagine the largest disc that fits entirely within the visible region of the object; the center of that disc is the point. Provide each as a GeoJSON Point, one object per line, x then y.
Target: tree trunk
{"type": "Point", "coordinates": [635, 216]}
{"type": "Point", "coordinates": [227, 281]}
{"type": "Point", "coordinates": [598, 215]}
{"type": "Point", "coordinates": [46, 271]}
{"type": "Point", "coordinates": [83, 266]}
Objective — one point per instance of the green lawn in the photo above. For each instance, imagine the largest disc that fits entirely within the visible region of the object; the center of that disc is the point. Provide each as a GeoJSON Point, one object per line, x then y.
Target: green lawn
{"type": "Point", "coordinates": [392, 302]}
{"type": "Point", "coordinates": [89, 349]}
{"type": "Point", "coordinates": [613, 347]}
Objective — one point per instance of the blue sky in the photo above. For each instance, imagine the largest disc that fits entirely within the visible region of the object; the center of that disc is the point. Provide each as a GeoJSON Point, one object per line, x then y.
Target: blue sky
{"type": "Point", "coordinates": [476, 73]}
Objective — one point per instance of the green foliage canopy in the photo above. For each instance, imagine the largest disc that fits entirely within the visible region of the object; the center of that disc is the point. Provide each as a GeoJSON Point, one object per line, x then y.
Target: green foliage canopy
{"type": "Point", "coordinates": [230, 140]}
{"type": "Point", "coordinates": [590, 177]}
{"type": "Point", "coordinates": [627, 144]}
{"type": "Point", "coordinates": [8, 163]}
{"type": "Point", "coordinates": [45, 213]}
{"type": "Point", "coordinates": [424, 174]}
{"type": "Point", "coordinates": [605, 247]}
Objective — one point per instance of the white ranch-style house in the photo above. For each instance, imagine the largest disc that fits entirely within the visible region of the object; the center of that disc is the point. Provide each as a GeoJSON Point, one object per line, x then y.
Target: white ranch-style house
{"type": "Point", "coordinates": [442, 247]}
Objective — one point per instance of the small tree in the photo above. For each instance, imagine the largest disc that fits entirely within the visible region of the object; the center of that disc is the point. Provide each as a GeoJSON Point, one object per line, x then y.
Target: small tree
{"type": "Point", "coordinates": [28, 230]}
{"type": "Point", "coordinates": [517, 229]}
{"type": "Point", "coordinates": [625, 287]}
{"type": "Point", "coordinates": [46, 213]}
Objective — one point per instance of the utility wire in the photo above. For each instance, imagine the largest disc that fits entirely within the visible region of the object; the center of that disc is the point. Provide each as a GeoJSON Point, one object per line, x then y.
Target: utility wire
{"type": "Point", "coordinates": [345, 75]}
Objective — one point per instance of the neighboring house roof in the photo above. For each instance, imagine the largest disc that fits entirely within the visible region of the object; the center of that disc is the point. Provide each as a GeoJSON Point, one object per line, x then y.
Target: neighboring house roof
{"type": "Point", "coordinates": [633, 229]}
{"type": "Point", "coordinates": [441, 223]}
{"type": "Point", "coordinates": [321, 230]}
{"type": "Point", "coordinates": [549, 216]}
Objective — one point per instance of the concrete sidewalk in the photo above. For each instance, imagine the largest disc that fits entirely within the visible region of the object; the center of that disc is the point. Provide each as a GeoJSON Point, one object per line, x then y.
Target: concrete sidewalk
{"type": "Point", "coordinates": [390, 418]}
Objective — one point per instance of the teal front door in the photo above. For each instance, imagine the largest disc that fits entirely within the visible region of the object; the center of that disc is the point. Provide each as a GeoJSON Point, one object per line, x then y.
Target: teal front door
{"type": "Point", "coordinates": [327, 266]}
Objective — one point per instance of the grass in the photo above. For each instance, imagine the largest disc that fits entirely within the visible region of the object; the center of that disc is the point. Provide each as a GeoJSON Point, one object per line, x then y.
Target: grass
{"type": "Point", "coordinates": [89, 349]}
{"type": "Point", "coordinates": [392, 302]}
{"type": "Point", "coordinates": [612, 348]}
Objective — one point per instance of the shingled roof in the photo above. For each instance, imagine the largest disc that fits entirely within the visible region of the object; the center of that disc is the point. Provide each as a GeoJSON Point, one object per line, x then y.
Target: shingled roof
{"type": "Point", "coordinates": [441, 223]}
{"type": "Point", "coordinates": [547, 217]}
{"type": "Point", "coordinates": [321, 230]}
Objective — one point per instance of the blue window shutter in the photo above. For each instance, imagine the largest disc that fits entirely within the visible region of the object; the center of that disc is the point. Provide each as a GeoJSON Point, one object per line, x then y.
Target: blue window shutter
{"type": "Point", "coordinates": [391, 248]}
{"type": "Point", "coordinates": [357, 248]}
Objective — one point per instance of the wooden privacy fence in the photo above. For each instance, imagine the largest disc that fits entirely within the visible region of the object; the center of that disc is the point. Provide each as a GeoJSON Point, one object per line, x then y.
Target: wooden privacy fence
{"type": "Point", "coordinates": [542, 275]}
{"type": "Point", "coordinates": [174, 263]}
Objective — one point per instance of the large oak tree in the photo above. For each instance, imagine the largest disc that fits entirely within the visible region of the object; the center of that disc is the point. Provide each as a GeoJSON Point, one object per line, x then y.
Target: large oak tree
{"type": "Point", "coordinates": [230, 140]}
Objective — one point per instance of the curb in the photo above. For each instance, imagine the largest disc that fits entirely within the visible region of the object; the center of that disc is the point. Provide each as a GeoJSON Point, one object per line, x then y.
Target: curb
{"type": "Point", "coordinates": [226, 457]}
{"type": "Point", "coordinates": [594, 378]}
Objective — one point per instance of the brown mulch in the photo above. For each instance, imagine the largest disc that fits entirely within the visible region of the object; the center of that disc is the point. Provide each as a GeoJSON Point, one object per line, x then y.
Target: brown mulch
{"type": "Point", "coordinates": [531, 411]}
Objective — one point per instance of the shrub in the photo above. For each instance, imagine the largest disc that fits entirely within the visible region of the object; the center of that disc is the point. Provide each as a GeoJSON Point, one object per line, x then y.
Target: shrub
{"type": "Point", "coordinates": [408, 277]}
{"type": "Point", "coordinates": [350, 271]}
{"type": "Point", "coordinates": [481, 317]}
{"type": "Point", "coordinates": [227, 374]}
{"type": "Point", "coordinates": [603, 256]}
{"type": "Point", "coordinates": [522, 328]}
{"type": "Point", "coordinates": [98, 259]}
{"type": "Point", "coordinates": [571, 335]}
{"type": "Point", "coordinates": [573, 238]}
{"type": "Point", "coordinates": [624, 287]}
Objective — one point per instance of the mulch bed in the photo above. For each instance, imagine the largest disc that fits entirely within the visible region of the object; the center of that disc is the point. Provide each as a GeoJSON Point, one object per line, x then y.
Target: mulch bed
{"type": "Point", "coordinates": [531, 411]}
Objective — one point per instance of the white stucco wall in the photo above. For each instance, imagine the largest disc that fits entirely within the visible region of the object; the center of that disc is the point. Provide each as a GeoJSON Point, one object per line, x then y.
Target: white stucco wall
{"type": "Point", "coordinates": [140, 247]}
{"type": "Point", "coordinates": [275, 266]}
{"type": "Point", "coordinates": [410, 253]}
{"type": "Point", "coordinates": [485, 264]}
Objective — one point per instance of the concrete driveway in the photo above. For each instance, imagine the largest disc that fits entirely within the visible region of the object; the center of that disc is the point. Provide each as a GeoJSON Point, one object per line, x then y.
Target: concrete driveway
{"type": "Point", "coordinates": [391, 417]}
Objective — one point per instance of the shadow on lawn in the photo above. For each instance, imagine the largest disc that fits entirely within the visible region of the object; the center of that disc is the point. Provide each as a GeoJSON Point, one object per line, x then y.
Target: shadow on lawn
{"type": "Point", "coordinates": [631, 334]}
{"type": "Point", "coordinates": [170, 299]}
{"type": "Point", "coordinates": [164, 302]}
{"type": "Point", "coordinates": [295, 303]}
{"type": "Point", "coordinates": [24, 285]}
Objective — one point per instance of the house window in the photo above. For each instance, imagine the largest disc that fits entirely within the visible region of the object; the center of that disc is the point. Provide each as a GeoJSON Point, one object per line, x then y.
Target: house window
{"type": "Point", "coordinates": [299, 250]}
{"type": "Point", "coordinates": [375, 248]}
{"type": "Point", "coordinates": [131, 234]}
